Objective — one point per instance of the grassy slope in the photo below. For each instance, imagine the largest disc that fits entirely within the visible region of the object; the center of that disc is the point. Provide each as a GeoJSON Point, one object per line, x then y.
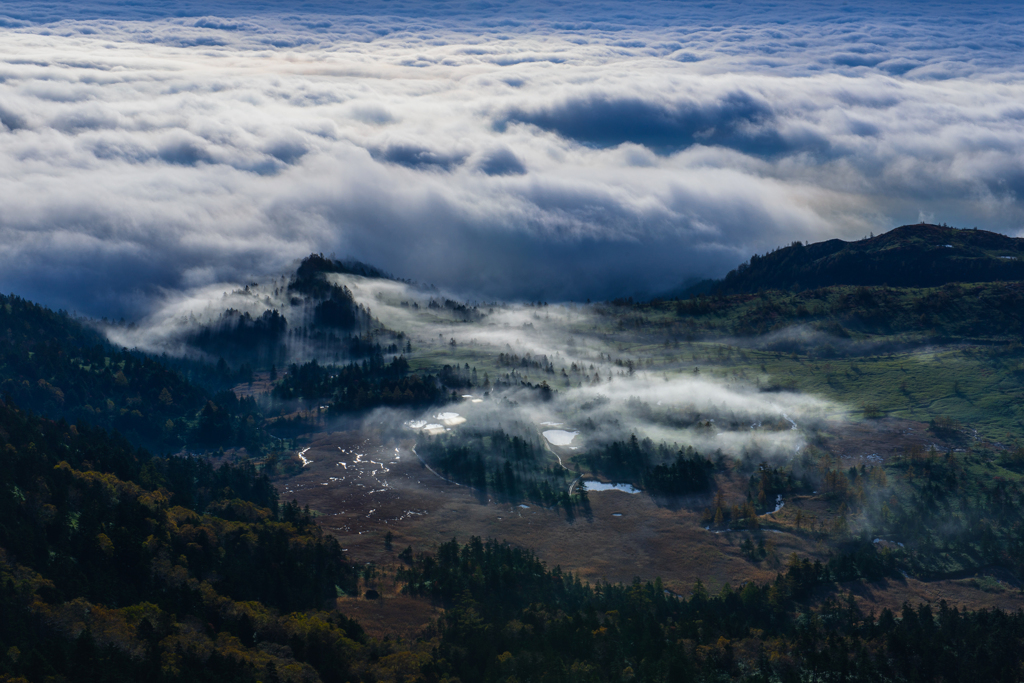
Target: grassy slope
{"type": "Point", "coordinates": [917, 354]}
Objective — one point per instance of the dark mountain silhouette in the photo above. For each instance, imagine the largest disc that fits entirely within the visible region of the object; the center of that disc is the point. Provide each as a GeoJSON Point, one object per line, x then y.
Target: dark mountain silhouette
{"type": "Point", "coordinates": [908, 256]}
{"type": "Point", "coordinates": [309, 276]}
{"type": "Point", "coordinates": [325, 316]}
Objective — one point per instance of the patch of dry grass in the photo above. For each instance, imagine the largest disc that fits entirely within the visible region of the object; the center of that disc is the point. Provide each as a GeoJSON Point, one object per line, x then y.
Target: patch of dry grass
{"type": "Point", "coordinates": [397, 616]}
{"type": "Point", "coordinates": [645, 540]}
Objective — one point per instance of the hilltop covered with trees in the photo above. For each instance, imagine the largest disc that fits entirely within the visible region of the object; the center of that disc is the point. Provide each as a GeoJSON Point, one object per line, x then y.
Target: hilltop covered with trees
{"type": "Point", "coordinates": [328, 320]}
{"type": "Point", "coordinates": [909, 256]}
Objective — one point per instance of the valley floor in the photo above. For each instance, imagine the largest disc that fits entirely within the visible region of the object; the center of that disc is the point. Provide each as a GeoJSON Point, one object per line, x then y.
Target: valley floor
{"type": "Point", "coordinates": [361, 488]}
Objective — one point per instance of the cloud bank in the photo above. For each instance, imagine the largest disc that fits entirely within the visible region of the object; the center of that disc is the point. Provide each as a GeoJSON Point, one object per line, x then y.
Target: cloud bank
{"type": "Point", "coordinates": [519, 149]}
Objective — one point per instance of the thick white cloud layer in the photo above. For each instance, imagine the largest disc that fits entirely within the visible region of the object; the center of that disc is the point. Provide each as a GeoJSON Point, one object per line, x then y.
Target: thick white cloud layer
{"type": "Point", "coordinates": [516, 149]}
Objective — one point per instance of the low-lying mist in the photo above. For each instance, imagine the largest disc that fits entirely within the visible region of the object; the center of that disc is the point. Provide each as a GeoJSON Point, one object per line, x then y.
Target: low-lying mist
{"type": "Point", "coordinates": [531, 363]}
{"type": "Point", "coordinates": [599, 387]}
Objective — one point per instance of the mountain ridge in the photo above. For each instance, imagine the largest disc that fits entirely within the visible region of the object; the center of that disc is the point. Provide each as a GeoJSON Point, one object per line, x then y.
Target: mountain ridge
{"type": "Point", "coordinates": [922, 255]}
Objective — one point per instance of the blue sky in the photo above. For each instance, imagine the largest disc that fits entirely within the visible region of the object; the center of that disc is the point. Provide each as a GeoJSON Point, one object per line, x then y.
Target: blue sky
{"type": "Point", "coordinates": [530, 150]}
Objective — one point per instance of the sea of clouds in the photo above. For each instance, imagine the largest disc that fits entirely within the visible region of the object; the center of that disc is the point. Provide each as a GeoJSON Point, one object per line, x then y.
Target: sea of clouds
{"type": "Point", "coordinates": [524, 149]}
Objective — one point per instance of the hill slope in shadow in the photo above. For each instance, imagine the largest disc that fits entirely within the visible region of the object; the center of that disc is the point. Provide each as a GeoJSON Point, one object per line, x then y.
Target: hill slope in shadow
{"type": "Point", "coordinates": [909, 256]}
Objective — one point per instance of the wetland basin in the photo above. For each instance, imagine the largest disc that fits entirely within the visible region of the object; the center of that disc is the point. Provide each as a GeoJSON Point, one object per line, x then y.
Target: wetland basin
{"type": "Point", "coordinates": [360, 487]}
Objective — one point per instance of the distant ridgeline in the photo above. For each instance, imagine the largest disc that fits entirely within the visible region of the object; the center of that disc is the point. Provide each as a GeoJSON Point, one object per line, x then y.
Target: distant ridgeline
{"type": "Point", "coordinates": [54, 365]}
{"type": "Point", "coordinates": [908, 256]}
{"type": "Point", "coordinates": [327, 321]}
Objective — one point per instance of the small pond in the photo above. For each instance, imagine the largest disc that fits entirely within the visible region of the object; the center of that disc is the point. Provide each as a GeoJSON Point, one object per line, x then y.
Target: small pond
{"type": "Point", "coordinates": [601, 486]}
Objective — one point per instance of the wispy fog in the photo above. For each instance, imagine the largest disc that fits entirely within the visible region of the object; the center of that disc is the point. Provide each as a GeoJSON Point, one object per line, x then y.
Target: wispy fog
{"type": "Point", "coordinates": [612, 386]}
{"type": "Point", "coordinates": [611, 390]}
{"type": "Point", "coordinates": [520, 150]}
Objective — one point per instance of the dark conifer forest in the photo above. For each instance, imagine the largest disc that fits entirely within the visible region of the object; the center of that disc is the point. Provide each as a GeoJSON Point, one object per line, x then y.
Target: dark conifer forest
{"type": "Point", "coordinates": [58, 366]}
{"type": "Point", "coordinates": [361, 385]}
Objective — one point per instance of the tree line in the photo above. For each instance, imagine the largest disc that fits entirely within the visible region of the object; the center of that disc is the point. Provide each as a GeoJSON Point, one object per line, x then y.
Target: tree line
{"type": "Point", "coordinates": [657, 468]}
{"type": "Point", "coordinates": [509, 467]}
{"type": "Point", "coordinates": [509, 617]}
{"type": "Point", "coordinates": [361, 385]}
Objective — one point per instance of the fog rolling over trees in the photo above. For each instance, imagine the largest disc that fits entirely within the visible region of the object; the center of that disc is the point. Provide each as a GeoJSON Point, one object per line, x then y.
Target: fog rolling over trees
{"type": "Point", "coordinates": [558, 350]}
{"type": "Point", "coordinates": [294, 318]}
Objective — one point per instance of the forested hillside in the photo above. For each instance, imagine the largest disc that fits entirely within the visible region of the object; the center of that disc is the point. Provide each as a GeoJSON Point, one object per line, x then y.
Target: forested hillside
{"type": "Point", "coordinates": [908, 256]}
{"type": "Point", "coordinates": [116, 565]}
{"type": "Point", "coordinates": [309, 312]}
{"type": "Point", "coordinates": [57, 366]}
